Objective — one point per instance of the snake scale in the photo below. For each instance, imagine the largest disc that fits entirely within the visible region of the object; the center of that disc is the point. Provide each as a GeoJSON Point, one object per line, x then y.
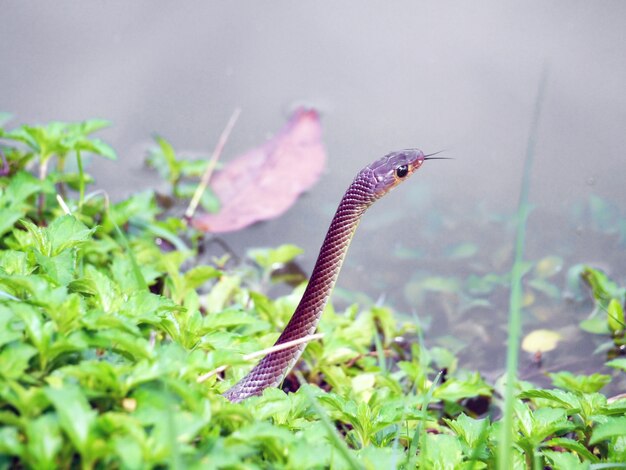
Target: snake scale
{"type": "Point", "coordinates": [369, 185]}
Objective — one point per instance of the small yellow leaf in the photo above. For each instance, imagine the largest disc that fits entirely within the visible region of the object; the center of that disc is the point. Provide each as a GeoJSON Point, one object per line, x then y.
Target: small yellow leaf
{"type": "Point", "coordinates": [528, 299]}
{"type": "Point", "coordinates": [363, 385]}
{"type": "Point", "coordinates": [129, 404]}
{"type": "Point", "coordinates": [540, 341]}
{"type": "Point", "coordinates": [548, 266]}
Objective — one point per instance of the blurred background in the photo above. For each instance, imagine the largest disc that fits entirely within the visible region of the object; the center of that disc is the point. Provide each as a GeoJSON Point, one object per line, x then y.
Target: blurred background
{"type": "Point", "coordinates": [459, 76]}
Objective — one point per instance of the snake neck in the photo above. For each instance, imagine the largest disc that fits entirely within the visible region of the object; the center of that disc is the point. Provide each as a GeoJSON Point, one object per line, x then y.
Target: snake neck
{"type": "Point", "coordinates": [274, 367]}
{"type": "Point", "coordinates": [328, 264]}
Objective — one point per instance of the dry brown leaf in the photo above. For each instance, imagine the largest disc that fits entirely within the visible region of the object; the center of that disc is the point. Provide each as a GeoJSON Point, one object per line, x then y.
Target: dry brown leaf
{"type": "Point", "coordinates": [264, 182]}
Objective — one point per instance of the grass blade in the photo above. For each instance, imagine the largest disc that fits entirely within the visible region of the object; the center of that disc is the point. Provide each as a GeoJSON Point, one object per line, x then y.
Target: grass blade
{"type": "Point", "coordinates": [515, 299]}
{"type": "Point", "coordinates": [333, 435]}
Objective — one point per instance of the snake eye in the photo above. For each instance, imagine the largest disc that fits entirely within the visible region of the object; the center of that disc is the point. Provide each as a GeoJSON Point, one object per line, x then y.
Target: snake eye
{"type": "Point", "coordinates": [402, 171]}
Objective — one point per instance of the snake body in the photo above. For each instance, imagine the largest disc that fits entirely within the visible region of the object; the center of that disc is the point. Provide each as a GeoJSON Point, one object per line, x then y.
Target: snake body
{"type": "Point", "coordinates": [369, 185]}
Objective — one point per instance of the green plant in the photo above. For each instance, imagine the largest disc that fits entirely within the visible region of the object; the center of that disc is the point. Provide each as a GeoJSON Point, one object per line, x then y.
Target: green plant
{"type": "Point", "coordinates": [104, 336]}
{"type": "Point", "coordinates": [180, 173]}
{"type": "Point", "coordinates": [58, 139]}
{"type": "Point", "coordinates": [608, 315]}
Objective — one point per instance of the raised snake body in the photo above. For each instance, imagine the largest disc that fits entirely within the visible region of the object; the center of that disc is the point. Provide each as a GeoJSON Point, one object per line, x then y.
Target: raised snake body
{"type": "Point", "coordinates": [370, 184]}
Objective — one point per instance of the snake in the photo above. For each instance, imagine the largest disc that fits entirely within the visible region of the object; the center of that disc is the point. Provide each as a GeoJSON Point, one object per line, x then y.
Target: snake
{"type": "Point", "coordinates": [370, 184]}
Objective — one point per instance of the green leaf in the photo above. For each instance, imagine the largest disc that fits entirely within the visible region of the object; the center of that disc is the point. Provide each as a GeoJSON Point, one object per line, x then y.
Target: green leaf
{"type": "Point", "coordinates": [221, 293]}
{"type": "Point", "coordinates": [21, 135]}
{"type": "Point", "coordinates": [565, 460]}
{"type": "Point", "coordinates": [595, 325]}
{"type": "Point", "coordinates": [612, 427]}
{"type": "Point", "coordinates": [91, 125]}
{"type": "Point", "coordinates": [440, 284]}
{"type": "Point", "coordinates": [462, 250]}
{"type": "Point", "coordinates": [98, 378]}
{"type": "Point", "coordinates": [14, 359]}
{"type": "Point", "coordinates": [546, 287]}
{"type": "Point", "coordinates": [23, 185]}
{"type": "Point", "coordinates": [573, 278]}
{"type": "Point", "coordinates": [579, 383]}
{"type": "Point", "coordinates": [32, 287]}
{"type": "Point", "coordinates": [46, 140]}
{"type": "Point", "coordinates": [8, 217]}
{"type": "Point", "coordinates": [440, 451]}
{"type": "Point", "coordinates": [124, 343]}
{"type": "Point", "coordinates": [485, 284]}
{"type": "Point", "coordinates": [67, 232]}
{"type": "Point", "coordinates": [549, 421]}
{"type": "Point", "coordinates": [10, 442]}
{"type": "Point", "coordinates": [15, 262]}
{"type": "Point", "coordinates": [105, 290]}
{"type": "Point", "coordinates": [270, 258]}
{"type": "Point", "coordinates": [96, 146]}
{"type": "Point", "coordinates": [44, 442]}
{"type": "Point", "coordinates": [60, 268]}
{"type": "Point", "coordinates": [39, 237]}
{"type": "Point", "coordinates": [198, 275]}
{"type": "Point", "coordinates": [124, 275]}
{"type": "Point", "coordinates": [572, 445]}
{"type": "Point", "coordinates": [473, 432]}
{"type": "Point", "coordinates": [140, 206]}
{"type": "Point", "coordinates": [194, 167]}
{"type": "Point", "coordinates": [33, 321]}
{"type": "Point", "coordinates": [454, 390]}
{"type": "Point", "coordinates": [129, 450]}
{"type": "Point", "coordinates": [602, 287]}
{"type": "Point", "coordinates": [524, 417]}
{"type": "Point", "coordinates": [566, 400]}
{"type": "Point", "coordinates": [208, 200]}
{"type": "Point", "coordinates": [615, 314]}
{"type": "Point", "coordinates": [75, 415]}
{"type": "Point", "coordinates": [619, 363]}
{"type": "Point", "coordinates": [10, 327]}
{"type": "Point", "coordinates": [146, 307]}
{"type": "Point", "coordinates": [338, 443]}
{"type": "Point", "coordinates": [168, 154]}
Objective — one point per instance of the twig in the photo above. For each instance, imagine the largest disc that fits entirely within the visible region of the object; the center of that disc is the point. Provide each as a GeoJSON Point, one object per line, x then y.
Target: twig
{"type": "Point", "coordinates": [263, 352]}
{"type": "Point", "coordinates": [43, 170]}
{"type": "Point", "coordinates": [386, 353]}
{"type": "Point", "coordinates": [204, 182]}
{"type": "Point", "coordinates": [6, 168]}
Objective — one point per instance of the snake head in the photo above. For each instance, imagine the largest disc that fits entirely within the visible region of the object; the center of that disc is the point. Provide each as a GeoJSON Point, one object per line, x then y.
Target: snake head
{"type": "Point", "coordinates": [393, 168]}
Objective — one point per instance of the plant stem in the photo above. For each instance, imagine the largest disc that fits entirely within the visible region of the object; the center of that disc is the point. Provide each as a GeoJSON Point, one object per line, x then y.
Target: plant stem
{"type": "Point", "coordinates": [505, 460]}
{"type": "Point", "coordinates": [81, 179]}
{"type": "Point", "coordinates": [43, 171]}
{"type": "Point", "coordinates": [6, 169]}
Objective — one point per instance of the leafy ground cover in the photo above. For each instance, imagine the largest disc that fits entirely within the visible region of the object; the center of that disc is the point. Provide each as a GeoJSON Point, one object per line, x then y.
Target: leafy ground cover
{"type": "Point", "coordinates": [111, 330]}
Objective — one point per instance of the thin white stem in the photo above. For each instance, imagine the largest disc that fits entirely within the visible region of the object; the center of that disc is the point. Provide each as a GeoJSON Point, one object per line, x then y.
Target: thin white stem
{"type": "Point", "coordinates": [263, 352]}
{"type": "Point", "coordinates": [204, 182]}
{"type": "Point", "coordinates": [63, 205]}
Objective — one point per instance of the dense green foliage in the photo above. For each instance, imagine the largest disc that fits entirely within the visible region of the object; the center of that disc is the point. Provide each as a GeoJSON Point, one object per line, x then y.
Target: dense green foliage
{"type": "Point", "coordinates": [108, 319]}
